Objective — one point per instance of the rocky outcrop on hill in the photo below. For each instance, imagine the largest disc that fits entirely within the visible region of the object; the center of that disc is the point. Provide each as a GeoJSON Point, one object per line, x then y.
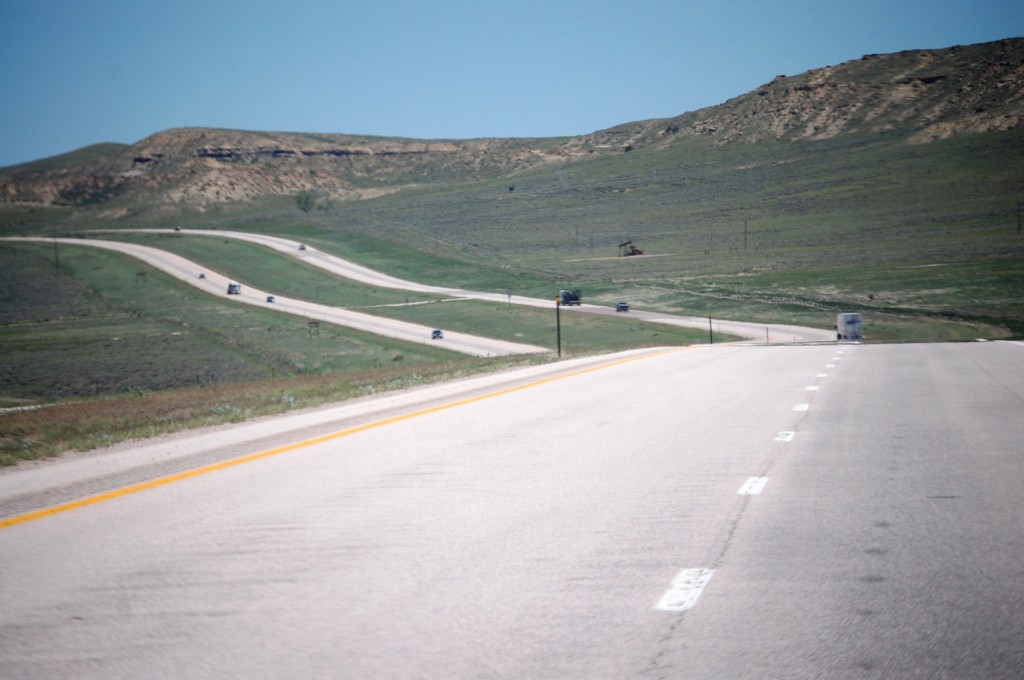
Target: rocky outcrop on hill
{"type": "Point", "coordinates": [923, 95]}
{"type": "Point", "coordinates": [200, 167]}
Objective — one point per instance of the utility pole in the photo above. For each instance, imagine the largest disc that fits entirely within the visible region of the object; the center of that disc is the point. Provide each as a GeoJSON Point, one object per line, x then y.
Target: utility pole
{"type": "Point", "coordinates": [558, 324]}
{"type": "Point", "coordinates": [711, 335]}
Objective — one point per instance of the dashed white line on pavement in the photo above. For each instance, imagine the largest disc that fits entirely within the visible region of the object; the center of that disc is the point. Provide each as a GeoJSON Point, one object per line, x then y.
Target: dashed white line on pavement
{"type": "Point", "coordinates": [823, 375]}
{"type": "Point", "coordinates": [784, 436]}
{"type": "Point", "coordinates": [685, 590]}
{"type": "Point", "coordinates": [801, 407]}
{"type": "Point", "coordinates": [753, 486]}
{"type": "Point", "coordinates": [811, 388]}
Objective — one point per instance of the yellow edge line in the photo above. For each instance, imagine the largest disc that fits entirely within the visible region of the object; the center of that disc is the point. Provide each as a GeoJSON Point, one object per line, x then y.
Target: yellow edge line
{"type": "Point", "coordinates": [177, 477]}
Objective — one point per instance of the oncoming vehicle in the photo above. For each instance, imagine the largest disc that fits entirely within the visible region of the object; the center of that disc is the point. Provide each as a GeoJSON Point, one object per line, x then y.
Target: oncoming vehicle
{"type": "Point", "coordinates": [437, 335]}
{"type": "Point", "coordinates": [234, 288]}
{"type": "Point", "coordinates": [622, 307]}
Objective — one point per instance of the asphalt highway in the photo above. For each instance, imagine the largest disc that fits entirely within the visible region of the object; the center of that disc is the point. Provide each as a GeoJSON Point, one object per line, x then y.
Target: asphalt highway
{"type": "Point", "coordinates": [814, 511]}
{"type": "Point", "coordinates": [215, 283]}
{"type": "Point", "coordinates": [769, 333]}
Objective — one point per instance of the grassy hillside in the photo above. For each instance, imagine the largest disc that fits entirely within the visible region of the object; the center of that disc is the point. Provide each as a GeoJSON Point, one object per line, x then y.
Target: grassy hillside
{"type": "Point", "coordinates": [89, 154]}
{"type": "Point", "coordinates": [771, 231]}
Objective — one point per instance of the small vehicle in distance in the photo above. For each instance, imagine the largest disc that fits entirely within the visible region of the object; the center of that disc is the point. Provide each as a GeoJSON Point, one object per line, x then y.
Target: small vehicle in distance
{"type": "Point", "coordinates": [234, 288]}
{"type": "Point", "coordinates": [270, 298]}
{"type": "Point", "coordinates": [569, 298]}
{"type": "Point", "coordinates": [437, 335]}
{"type": "Point", "coordinates": [850, 327]}
{"type": "Point", "coordinates": [622, 307]}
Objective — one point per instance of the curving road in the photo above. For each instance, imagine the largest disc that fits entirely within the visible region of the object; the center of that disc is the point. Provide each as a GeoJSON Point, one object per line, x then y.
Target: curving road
{"type": "Point", "coordinates": [769, 333]}
{"type": "Point", "coordinates": [745, 512]}
{"type": "Point", "coordinates": [216, 284]}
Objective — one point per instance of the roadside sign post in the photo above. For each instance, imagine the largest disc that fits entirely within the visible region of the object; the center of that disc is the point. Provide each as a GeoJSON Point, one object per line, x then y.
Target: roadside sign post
{"type": "Point", "coordinates": [711, 336]}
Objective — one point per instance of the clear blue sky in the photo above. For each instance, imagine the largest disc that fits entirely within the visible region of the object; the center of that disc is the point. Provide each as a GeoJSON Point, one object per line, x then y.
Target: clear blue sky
{"type": "Point", "coordinates": [79, 72]}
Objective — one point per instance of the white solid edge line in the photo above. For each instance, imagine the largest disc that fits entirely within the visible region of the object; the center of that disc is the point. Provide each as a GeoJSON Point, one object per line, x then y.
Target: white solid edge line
{"type": "Point", "coordinates": [685, 590]}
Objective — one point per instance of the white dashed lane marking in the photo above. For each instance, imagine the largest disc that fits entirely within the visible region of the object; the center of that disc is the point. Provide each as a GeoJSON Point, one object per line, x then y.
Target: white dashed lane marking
{"type": "Point", "coordinates": [753, 486]}
{"type": "Point", "coordinates": [688, 584]}
{"type": "Point", "coordinates": [685, 590]}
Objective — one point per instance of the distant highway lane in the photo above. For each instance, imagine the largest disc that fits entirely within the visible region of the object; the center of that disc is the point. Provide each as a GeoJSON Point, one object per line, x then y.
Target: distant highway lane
{"type": "Point", "coordinates": [742, 512]}
{"type": "Point", "coordinates": [216, 284]}
{"type": "Point", "coordinates": [777, 333]}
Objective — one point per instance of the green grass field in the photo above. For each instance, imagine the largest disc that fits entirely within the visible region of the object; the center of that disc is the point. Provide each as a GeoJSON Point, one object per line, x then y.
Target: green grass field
{"type": "Point", "coordinates": [249, 263]}
{"type": "Point", "coordinates": [109, 331]}
{"type": "Point", "coordinates": [126, 351]}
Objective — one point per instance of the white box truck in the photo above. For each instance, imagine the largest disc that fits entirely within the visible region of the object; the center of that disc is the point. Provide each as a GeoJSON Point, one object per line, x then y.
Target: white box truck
{"type": "Point", "coordinates": [850, 327]}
